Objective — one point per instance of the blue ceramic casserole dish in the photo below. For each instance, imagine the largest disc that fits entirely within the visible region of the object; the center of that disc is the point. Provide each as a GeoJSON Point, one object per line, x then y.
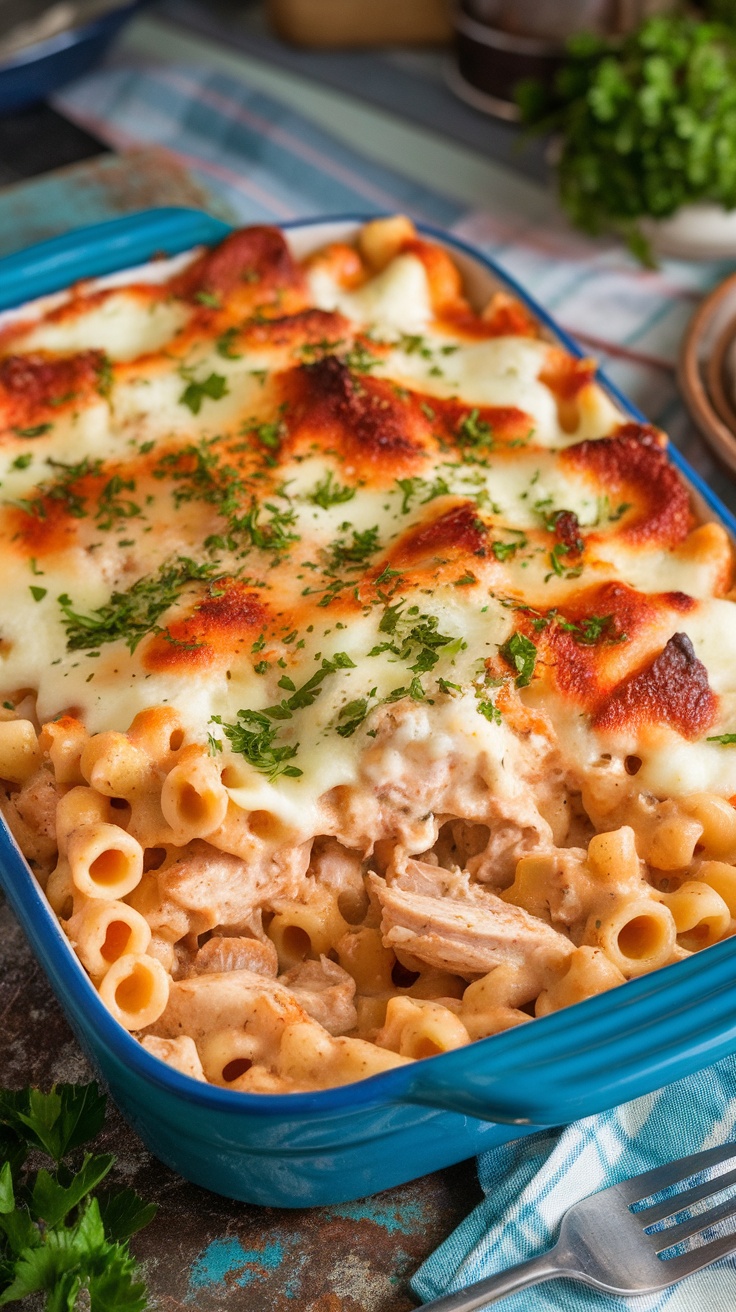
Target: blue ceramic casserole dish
{"type": "Point", "coordinates": [297, 1150]}
{"type": "Point", "coordinates": [41, 68]}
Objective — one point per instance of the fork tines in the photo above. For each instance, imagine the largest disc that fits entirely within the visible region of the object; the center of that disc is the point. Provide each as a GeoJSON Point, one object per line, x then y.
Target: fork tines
{"type": "Point", "coordinates": [652, 1182]}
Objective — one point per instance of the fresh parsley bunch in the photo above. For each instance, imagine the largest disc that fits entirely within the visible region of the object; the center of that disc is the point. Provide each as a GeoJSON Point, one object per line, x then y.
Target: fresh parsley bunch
{"type": "Point", "coordinates": [647, 124]}
{"type": "Point", "coordinates": [57, 1238]}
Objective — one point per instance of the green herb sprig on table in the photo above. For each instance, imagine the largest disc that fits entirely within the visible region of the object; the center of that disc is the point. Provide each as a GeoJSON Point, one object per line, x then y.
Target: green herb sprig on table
{"type": "Point", "coordinates": [647, 124]}
{"type": "Point", "coordinates": [58, 1238]}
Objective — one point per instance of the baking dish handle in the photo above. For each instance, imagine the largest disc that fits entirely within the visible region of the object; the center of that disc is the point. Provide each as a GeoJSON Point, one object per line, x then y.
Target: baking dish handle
{"type": "Point", "coordinates": [595, 1055]}
{"type": "Point", "coordinates": [103, 248]}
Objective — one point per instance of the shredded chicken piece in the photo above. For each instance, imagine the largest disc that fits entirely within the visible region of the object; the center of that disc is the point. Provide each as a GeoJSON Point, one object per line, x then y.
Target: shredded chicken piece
{"type": "Point", "coordinates": [219, 955]}
{"type": "Point", "coordinates": [31, 816]}
{"type": "Point", "coordinates": [241, 999]}
{"type": "Point", "coordinates": [326, 993]}
{"type": "Point", "coordinates": [447, 922]}
{"type": "Point", "coordinates": [217, 889]}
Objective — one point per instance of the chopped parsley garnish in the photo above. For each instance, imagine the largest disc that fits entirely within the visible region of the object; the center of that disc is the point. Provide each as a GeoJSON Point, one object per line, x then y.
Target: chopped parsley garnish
{"type": "Point", "coordinates": [224, 344]}
{"type": "Point", "coordinates": [415, 638]}
{"type": "Point", "coordinates": [593, 629]}
{"type": "Point", "coordinates": [104, 376]}
{"type": "Point", "coordinates": [112, 507]}
{"type": "Point", "coordinates": [605, 511]}
{"type": "Point", "coordinates": [488, 710]}
{"type": "Point", "coordinates": [327, 493]}
{"type": "Point", "coordinates": [417, 487]}
{"type": "Point", "coordinates": [445, 686]}
{"type": "Point", "coordinates": [253, 736]}
{"type": "Point", "coordinates": [272, 534]}
{"type": "Point", "coordinates": [200, 474]}
{"type": "Point", "coordinates": [521, 654]}
{"type": "Point", "coordinates": [559, 550]}
{"type": "Point", "coordinates": [268, 435]}
{"type": "Point", "coordinates": [414, 344]}
{"type": "Point", "coordinates": [725, 739]}
{"type": "Point", "coordinates": [22, 462]}
{"type": "Point", "coordinates": [352, 716]}
{"type": "Point", "coordinates": [131, 615]}
{"type": "Point", "coordinates": [415, 690]}
{"type": "Point", "coordinates": [352, 552]}
{"type": "Point", "coordinates": [505, 550]}
{"type": "Point", "coordinates": [63, 489]}
{"type": "Point", "coordinates": [210, 299]}
{"type": "Point", "coordinates": [37, 593]}
{"type": "Point", "coordinates": [474, 433]}
{"type": "Point", "coordinates": [36, 430]}
{"type": "Point", "coordinates": [359, 359]}
{"type": "Point", "coordinates": [317, 350]}
{"type": "Point", "coordinates": [214, 387]}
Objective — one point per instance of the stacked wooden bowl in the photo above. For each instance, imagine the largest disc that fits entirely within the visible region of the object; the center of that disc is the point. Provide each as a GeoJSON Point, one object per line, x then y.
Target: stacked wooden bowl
{"type": "Point", "coordinates": [707, 370]}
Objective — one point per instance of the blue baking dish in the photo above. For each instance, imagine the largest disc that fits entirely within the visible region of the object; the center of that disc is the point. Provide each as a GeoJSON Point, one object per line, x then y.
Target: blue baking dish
{"type": "Point", "coordinates": [308, 1149]}
{"type": "Point", "coordinates": [39, 69]}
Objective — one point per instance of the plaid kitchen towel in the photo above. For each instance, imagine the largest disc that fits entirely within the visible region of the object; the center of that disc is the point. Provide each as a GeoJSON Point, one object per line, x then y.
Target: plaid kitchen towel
{"type": "Point", "coordinates": [529, 1184]}
{"type": "Point", "coordinates": [272, 164]}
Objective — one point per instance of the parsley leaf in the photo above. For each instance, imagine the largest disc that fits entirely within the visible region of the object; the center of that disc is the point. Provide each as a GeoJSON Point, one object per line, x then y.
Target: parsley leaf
{"type": "Point", "coordinates": [725, 739]}
{"type": "Point", "coordinates": [647, 123]}
{"type": "Point", "coordinates": [475, 433]}
{"type": "Point", "coordinates": [36, 430]}
{"type": "Point", "coordinates": [214, 387]}
{"type": "Point", "coordinates": [224, 344]}
{"type": "Point", "coordinates": [132, 614]}
{"type": "Point", "coordinates": [57, 1238]}
{"type": "Point", "coordinates": [326, 493]}
{"type": "Point", "coordinates": [521, 654]}
{"type": "Point", "coordinates": [256, 744]}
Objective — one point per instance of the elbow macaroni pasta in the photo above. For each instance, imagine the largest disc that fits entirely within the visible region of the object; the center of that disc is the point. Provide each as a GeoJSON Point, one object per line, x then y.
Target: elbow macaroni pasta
{"type": "Point", "coordinates": [379, 755]}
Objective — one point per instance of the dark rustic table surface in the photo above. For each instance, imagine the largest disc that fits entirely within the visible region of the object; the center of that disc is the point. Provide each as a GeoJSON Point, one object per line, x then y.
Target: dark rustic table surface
{"type": "Point", "coordinates": [201, 1251]}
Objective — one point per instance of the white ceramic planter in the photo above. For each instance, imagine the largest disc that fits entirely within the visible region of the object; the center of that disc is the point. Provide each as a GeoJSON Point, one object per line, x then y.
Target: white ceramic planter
{"type": "Point", "coordinates": [701, 231]}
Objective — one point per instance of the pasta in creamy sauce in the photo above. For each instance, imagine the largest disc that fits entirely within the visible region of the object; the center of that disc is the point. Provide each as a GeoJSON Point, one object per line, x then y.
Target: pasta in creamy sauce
{"type": "Point", "coordinates": [368, 678]}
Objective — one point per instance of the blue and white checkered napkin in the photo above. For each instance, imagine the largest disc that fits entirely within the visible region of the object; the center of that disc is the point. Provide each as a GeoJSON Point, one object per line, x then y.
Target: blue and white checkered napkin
{"type": "Point", "coordinates": [270, 163]}
{"type": "Point", "coordinates": [530, 1183]}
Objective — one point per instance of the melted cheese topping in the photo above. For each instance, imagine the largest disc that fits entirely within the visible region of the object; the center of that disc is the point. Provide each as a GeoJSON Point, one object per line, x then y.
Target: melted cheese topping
{"type": "Point", "coordinates": [282, 498]}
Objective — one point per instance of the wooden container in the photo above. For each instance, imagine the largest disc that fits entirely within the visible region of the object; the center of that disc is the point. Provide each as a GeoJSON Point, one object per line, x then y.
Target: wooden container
{"type": "Point", "coordinates": [332, 23]}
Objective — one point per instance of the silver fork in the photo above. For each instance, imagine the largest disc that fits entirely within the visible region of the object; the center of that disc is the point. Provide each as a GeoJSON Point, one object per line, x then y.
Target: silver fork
{"type": "Point", "coordinates": [605, 1244]}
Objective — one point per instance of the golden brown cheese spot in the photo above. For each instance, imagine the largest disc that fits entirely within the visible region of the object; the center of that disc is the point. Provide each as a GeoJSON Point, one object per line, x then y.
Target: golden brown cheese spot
{"type": "Point", "coordinates": [591, 642]}
{"type": "Point", "coordinates": [64, 510]}
{"type": "Point", "coordinates": [672, 689]}
{"type": "Point", "coordinates": [506, 424]}
{"type": "Point", "coordinates": [341, 263]}
{"type": "Point", "coordinates": [39, 387]}
{"type": "Point", "coordinates": [504, 316]}
{"type": "Point", "coordinates": [453, 313]}
{"type": "Point", "coordinates": [307, 327]}
{"type": "Point", "coordinates": [457, 531]}
{"type": "Point", "coordinates": [632, 466]}
{"type": "Point", "coordinates": [220, 627]}
{"type": "Point", "coordinates": [566, 376]}
{"type": "Point", "coordinates": [361, 418]}
{"type": "Point", "coordinates": [251, 267]}
{"type": "Point", "coordinates": [443, 275]}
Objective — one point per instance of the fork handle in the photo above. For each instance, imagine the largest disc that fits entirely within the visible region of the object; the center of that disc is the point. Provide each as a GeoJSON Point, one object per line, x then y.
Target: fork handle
{"type": "Point", "coordinates": [544, 1267]}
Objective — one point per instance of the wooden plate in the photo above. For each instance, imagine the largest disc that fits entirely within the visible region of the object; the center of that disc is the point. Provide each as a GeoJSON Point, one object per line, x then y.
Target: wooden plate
{"type": "Point", "coordinates": [707, 370]}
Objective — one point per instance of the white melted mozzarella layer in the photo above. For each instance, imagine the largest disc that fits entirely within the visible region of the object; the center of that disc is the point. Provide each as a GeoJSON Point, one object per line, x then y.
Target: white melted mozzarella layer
{"type": "Point", "coordinates": [108, 689]}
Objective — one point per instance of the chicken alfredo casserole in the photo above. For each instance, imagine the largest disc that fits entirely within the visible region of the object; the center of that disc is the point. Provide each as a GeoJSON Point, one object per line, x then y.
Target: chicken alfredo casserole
{"type": "Point", "coordinates": [368, 681]}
